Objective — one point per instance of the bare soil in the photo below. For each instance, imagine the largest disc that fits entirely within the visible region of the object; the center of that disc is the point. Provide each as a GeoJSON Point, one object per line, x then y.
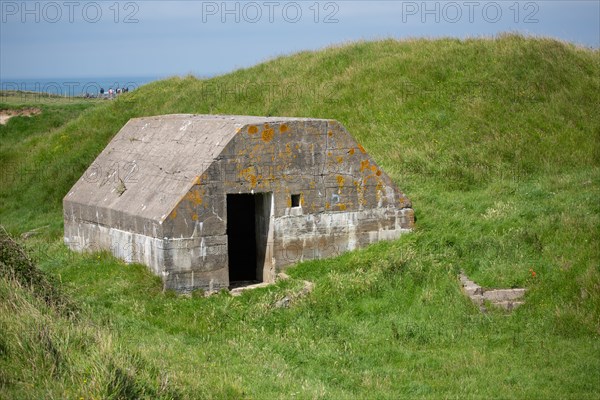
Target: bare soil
{"type": "Point", "coordinates": [5, 115]}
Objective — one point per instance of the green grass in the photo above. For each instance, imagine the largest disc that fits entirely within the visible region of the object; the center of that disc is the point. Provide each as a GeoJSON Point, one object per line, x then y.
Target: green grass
{"type": "Point", "coordinates": [496, 142]}
{"type": "Point", "coordinates": [19, 97]}
{"type": "Point", "coordinates": [24, 138]}
{"type": "Point", "coordinates": [50, 346]}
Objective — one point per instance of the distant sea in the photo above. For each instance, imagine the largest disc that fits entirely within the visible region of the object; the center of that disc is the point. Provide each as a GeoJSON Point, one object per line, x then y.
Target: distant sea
{"type": "Point", "coordinates": [75, 87]}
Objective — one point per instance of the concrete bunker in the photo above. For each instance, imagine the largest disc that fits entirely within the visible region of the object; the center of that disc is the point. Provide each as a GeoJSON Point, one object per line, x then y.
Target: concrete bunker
{"type": "Point", "coordinates": [207, 201]}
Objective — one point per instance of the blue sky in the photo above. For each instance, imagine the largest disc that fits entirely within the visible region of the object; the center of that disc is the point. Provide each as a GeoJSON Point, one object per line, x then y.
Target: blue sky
{"type": "Point", "coordinates": [77, 39]}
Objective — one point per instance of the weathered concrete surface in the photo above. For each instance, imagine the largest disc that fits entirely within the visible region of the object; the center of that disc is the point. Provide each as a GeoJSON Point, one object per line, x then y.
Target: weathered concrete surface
{"type": "Point", "coordinates": [499, 295]}
{"type": "Point", "coordinates": [158, 195]}
{"type": "Point", "coordinates": [507, 299]}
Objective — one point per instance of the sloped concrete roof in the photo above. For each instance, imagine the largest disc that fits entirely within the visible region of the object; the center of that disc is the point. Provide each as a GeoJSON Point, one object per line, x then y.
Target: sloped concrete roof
{"type": "Point", "coordinates": [153, 161]}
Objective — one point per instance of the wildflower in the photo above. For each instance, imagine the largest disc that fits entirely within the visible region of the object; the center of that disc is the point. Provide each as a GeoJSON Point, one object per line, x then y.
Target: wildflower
{"type": "Point", "coordinates": [532, 272]}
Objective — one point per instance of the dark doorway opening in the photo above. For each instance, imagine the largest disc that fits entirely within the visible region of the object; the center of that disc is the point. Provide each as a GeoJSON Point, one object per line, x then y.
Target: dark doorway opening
{"type": "Point", "coordinates": [248, 220]}
{"type": "Point", "coordinates": [295, 200]}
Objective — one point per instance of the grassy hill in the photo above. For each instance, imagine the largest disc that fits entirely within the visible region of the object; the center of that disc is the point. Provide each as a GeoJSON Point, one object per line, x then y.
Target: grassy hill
{"type": "Point", "coordinates": [496, 142]}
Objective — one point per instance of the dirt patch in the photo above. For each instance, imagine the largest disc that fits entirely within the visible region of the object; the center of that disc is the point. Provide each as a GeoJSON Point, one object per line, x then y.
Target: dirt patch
{"type": "Point", "coordinates": [5, 115]}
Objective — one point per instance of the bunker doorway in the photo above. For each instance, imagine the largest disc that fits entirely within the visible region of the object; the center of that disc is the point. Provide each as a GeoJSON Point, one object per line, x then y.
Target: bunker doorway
{"type": "Point", "coordinates": [249, 238]}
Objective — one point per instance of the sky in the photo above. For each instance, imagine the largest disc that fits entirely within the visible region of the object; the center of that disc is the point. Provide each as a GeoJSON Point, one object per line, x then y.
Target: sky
{"type": "Point", "coordinates": [78, 39]}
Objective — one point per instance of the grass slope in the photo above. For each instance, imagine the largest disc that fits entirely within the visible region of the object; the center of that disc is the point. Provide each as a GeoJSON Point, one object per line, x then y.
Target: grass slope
{"type": "Point", "coordinates": [497, 143]}
{"type": "Point", "coordinates": [49, 348]}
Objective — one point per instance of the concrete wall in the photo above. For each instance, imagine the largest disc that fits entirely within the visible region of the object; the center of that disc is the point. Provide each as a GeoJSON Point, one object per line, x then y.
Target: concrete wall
{"type": "Point", "coordinates": [306, 237]}
{"type": "Point", "coordinates": [184, 264]}
{"type": "Point", "coordinates": [347, 202]}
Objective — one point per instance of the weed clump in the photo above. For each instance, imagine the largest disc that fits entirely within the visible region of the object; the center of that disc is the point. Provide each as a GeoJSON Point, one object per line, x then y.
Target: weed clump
{"type": "Point", "coordinates": [17, 266]}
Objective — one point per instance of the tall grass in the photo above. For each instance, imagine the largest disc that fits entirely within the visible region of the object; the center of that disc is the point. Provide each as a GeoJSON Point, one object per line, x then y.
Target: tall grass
{"type": "Point", "coordinates": [49, 348]}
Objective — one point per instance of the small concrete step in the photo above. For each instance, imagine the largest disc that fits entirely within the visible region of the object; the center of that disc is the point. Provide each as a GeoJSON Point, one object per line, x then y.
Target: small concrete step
{"type": "Point", "coordinates": [464, 279]}
{"type": "Point", "coordinates": [239, 290]}
{"type": "Point", "coordinates": [496, 295]}
{"type": "Point", "coordinates": [472, 290]}
{"type": "Point", "coordinates": [508, 305]}
{"type": "Point", "coordinates": [477, 299]}
{"type": "Point", "coordinates": [508, 299]}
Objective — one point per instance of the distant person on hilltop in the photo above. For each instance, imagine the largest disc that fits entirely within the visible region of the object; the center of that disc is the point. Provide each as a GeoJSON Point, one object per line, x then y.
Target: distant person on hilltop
{"type": "Point", "coordinates": [101, 92]}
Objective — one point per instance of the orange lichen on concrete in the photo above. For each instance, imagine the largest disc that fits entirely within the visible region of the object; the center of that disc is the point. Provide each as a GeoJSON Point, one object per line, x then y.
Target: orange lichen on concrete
{"type": "Point", "coordinates": [194, 217]}
{"type": "Point", "coordinates": [341, 206]}
{"type": "Point", "coordinates": [267, 134]}
{"type": "Point", "coordinates": [365, 180]}
{"type": "Point", "coordinates": [173, 214]}
{"type": "Point", "coordinates": [283, 128]}
{"type": "Point", "coordinates": [364, 164]}
{"type": "Point", "coordinates": [351, 151]}
{"type": "Point", "coordinates": [329, 133]}
{"type": "Point", "coordinates": [378, 190]}
{"type": "Point", "coordinates": [340, 159]}
{"type": "Point", "coordinates": [256, 149]}
{"type": "Point", "coordinates": [249, 174]}
{"type": "Point", "coordinates": [194, 197]}
{"type": "Point", "coordinates": [360, 192]}
{"type": "Point", "coordinates": [362, 149]}
{"type": "Point", "coordinates": [340, 181]}
{"type": "Point", "coordinates": [252, 129]}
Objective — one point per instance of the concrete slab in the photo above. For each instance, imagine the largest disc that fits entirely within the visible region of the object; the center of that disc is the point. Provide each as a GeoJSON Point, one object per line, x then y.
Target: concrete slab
{"type": "Point", "coordinates": [499, 295]}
